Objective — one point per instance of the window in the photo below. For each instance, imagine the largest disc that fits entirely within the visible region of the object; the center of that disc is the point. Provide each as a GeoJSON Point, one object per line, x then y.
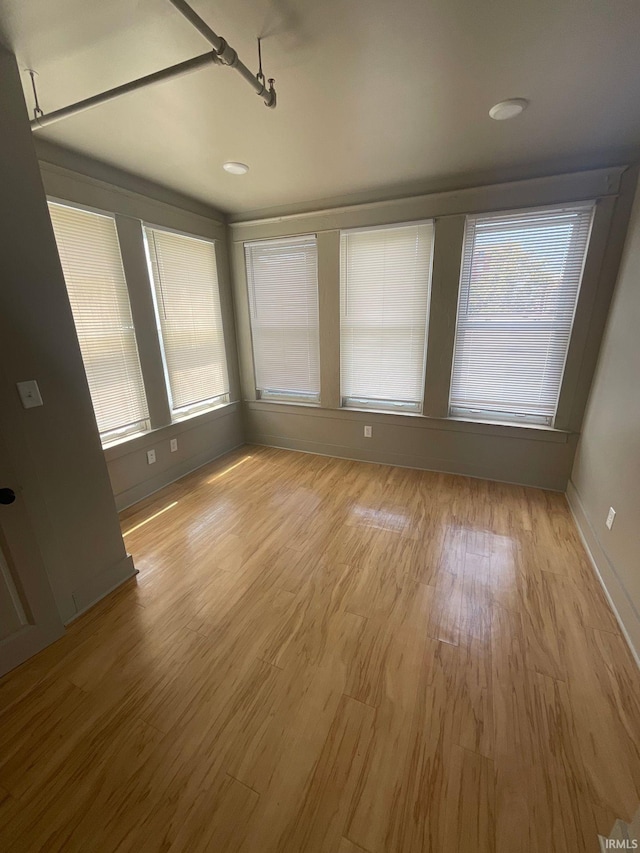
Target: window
{"type": "Point", "coordinates": [185, 284]}
{"type": "Point", "coordinates": [90, 256]}
{"type": "Point", "coordinates": [521, 274]}
{"type": "Point", "coordinates": [385, 276]}
{"type": "Point", "coordinates": [282, 278]}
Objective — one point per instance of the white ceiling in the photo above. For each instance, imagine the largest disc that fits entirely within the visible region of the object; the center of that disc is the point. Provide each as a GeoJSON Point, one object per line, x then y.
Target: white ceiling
{"type": "Point", "coordinates": [375, 97]}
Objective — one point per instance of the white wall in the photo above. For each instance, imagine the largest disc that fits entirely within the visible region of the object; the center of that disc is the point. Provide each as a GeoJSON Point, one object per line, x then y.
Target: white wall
{"type": "Point", "coordinates": [78, 180]}
{"type": "Point", "coordinates": [535, 457]}
{"type": "Point", "coordinates": [607, 465]}
{"type": "Point", "coordinates": [55, 450]}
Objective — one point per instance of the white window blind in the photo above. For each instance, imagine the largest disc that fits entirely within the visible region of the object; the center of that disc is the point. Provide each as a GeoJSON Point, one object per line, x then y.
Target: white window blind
{"type": "Point", "coordinates": [282, 279]}
{"type": "Point", "coordinates": [185, 281]}
{"type": "Point", "coordinates": [521, 274]}
{"type": "Point", "coordinates": [90, 256]}
{"type": "Point", "coordinates": [385, 276]}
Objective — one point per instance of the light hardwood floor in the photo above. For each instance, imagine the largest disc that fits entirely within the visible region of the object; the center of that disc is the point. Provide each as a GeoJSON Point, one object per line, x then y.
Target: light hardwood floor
{"type": "Point", "coordinates": [330, 656]}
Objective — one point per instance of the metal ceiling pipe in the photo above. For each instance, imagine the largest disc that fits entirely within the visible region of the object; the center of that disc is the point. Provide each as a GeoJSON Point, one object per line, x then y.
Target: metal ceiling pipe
{"type": "Point", "coordinates": [178, 70]}
{"type": "Point", "coordinates": [226, 53]}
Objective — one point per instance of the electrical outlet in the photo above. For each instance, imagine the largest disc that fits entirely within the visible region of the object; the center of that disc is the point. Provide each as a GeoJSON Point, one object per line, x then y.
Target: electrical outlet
{"type": "Point", "coordinates": [611, 517]}
{"type": "Point", "coordinates": [29, 394]}
{"type": "Point", "coordinates": [173, 445]}
{"type": "Point", "coordinates": [151, 456]}
{"type": "Point", "coordinates": [367, 432]}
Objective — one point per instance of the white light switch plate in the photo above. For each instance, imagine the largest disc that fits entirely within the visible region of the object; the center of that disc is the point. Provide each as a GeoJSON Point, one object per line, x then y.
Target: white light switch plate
{"type": "Point", "coordinates": [367, 432]}
{"type": "Point", "coordinates": [173, 445]}
{"type": "Point", "coordinates": [151, 456]}
{"type": "Point", "coordinates": [611, 517]}
{"type": "Point", "coordinates": [29, 394]}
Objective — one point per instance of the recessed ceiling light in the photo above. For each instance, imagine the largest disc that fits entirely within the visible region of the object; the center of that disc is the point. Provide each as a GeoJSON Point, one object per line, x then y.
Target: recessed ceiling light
{"type": "Point", "coordinates": [235, 168]}
{"type": "Point", "coordinates": [508, 109]}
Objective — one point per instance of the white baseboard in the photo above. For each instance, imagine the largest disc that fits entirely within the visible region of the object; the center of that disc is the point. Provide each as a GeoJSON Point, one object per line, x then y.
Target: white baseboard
{"type": "Point", "coordinates": [617, 596]}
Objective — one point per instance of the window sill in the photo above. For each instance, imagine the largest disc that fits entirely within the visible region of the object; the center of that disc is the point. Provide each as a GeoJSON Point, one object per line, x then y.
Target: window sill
{"type": "Point", "coordinates": [306, 404]}
{"type": "Point", "coordinates": [490, 422]}
{"type": "Point", "coordinates": [150, 438]}
{"type": "Point", "coordinates": [188, 416]}
{"type": "Point", "coordinates": [397, 412]}
{"type": "Point", "coordinates": [126, 438]}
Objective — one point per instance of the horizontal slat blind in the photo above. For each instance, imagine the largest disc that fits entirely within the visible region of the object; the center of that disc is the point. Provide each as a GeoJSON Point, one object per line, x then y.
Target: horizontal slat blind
{"type": "Point", "coordinates": [90, 256]}
{"type": "Point", "coordinates": [185, 280]}
{"type": "Point", "coordinates": [282, 279]}
{"type": "Point", "coordinates": [519, 286]}
{"type": "Point", "coordinates": [385, 275]}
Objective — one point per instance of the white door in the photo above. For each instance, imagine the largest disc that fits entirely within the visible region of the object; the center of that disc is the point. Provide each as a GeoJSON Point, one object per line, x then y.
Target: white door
{"type": "Point", "coordinates": [29, 619]}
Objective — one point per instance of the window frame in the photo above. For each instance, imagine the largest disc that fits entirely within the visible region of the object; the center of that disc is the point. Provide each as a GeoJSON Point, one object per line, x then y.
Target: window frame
{"type": "Point", "coordinates": [117, 435]}
{"type": "Point", "coordinates": [183, 413]}
{"type": "Point", "coordinates": [281, 395]}
{"type": "Point", "coordinates": [395, 406]}
{"type": "Point", "coordinates": [522, 419]}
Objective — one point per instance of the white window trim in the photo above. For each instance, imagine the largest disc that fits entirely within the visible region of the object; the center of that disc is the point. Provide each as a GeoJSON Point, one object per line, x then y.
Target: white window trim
{"type": "Point", "coordinates": [126, 432]}
{"type": "Point", "coordinates": [513, 418]}
{"type": "Point", "coordinates": [201, 407]}
{"type": "Point", "coordinates": [274, 395]}
{"type": "Point", "coordinates": [391, 405]}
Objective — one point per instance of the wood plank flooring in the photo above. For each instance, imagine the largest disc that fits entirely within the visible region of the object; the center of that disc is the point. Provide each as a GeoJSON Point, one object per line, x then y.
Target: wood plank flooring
{"type": "Point", "coordinates": [330, 656]}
